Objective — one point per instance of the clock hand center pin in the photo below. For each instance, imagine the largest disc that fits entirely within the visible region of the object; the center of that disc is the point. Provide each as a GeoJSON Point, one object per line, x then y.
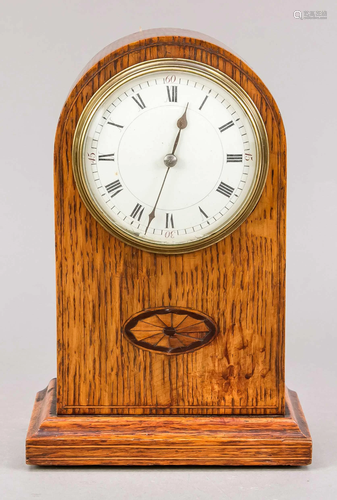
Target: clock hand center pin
{"type": "Point", "coordinates": [170, 161]}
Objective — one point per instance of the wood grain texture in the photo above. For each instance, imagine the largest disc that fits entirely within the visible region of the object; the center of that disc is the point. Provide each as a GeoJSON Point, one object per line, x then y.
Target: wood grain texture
{"type": "Point", "coordinates": [102, 282]}
{"type": "Point", "coordinates": [166, 440]}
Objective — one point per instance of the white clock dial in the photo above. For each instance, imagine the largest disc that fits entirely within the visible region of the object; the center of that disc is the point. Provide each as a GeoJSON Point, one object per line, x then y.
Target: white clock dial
{"type": "Point", "coordinates": [170, 158]}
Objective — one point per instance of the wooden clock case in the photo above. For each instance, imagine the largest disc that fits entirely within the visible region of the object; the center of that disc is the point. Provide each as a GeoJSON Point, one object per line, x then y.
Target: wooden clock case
{"type": "Point", "coordinates": [118, 403]}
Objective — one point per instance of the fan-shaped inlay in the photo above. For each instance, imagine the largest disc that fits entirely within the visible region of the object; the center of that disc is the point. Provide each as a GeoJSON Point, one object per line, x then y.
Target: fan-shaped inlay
{"type": "Point", "coordinates": [170, 330]}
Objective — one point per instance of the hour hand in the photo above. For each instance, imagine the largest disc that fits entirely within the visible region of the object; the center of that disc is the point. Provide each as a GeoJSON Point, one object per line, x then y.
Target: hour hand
{"type": "Point", "coordinates": [181, 124]}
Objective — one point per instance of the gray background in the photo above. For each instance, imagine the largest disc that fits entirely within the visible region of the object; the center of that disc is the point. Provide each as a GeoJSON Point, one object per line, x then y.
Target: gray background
{"type": "Point", "coordinates": [44, 45]}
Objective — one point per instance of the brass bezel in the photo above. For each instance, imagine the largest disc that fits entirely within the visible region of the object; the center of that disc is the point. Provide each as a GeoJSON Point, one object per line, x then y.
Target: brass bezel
{"type": "Point", "coordinates": [201, 69]}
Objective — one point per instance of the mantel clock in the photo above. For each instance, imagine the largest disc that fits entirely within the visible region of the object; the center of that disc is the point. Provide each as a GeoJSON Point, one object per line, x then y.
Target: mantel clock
{"type": "Point", "coordinates": [170, 199]}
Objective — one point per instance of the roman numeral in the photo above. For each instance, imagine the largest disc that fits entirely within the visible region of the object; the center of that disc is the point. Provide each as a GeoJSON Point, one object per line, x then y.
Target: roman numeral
{"type": "Point", "coordinates": [115, 125]}
{"type": "Point", "coordinates": [169, 221]}
{"type": "Point", "coordinates": [108, 157]}
{"type": "Point", "coordinates": [225, 189]}
{"type": "Point", "coordinates": [139, 101]}
{"type": "Point", "coordinates": [226, 126]}
{"type": "Point", "coordinates": [172, 93]}
{"type": "Point", "coordinates": [203, 213]}
{"type": "Point", "coordinates": [234, 158]}
{"type": "Point", "coordinates": [114, 188]}
{"type": "Point", "coordinates": [138, 210]}
{"type": "Point", "coordinates": [203, 102]}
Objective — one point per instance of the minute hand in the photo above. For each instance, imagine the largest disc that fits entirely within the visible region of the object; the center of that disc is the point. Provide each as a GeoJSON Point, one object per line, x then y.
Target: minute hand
{"type": "Point", "coordinates": [170, 162]}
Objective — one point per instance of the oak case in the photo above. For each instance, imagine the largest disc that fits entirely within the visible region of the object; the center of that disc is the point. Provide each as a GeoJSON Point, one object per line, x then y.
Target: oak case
{"type": "Point", "coordinates": [118, 402]}
{"type": "Point", "coordinates": [101, 282]}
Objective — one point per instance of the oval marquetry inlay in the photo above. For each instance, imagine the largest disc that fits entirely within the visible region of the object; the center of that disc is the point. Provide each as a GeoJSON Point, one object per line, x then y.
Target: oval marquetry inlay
{"type": "Point", "coordinates": [170, 330]}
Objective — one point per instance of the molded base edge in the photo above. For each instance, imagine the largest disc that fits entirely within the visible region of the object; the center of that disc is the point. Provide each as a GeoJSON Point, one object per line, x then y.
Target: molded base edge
{"type": "Point", "coordinates": [166, 440]}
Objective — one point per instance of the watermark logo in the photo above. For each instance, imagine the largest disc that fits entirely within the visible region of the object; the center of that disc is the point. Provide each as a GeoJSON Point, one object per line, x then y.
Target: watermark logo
{"type": "Point", "coordinates": [310, 14]}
